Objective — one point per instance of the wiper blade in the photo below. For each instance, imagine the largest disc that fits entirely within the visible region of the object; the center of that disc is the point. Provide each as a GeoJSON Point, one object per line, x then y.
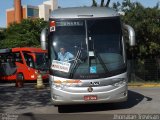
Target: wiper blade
{"type": "Point", "coordinates": [101, 62]}
{"type": "Point", "coordinates": [75, 64]}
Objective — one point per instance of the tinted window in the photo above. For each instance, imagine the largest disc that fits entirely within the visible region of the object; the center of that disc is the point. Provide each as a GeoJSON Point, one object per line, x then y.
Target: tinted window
{"type": "Point", "coordinates": [29, 59]}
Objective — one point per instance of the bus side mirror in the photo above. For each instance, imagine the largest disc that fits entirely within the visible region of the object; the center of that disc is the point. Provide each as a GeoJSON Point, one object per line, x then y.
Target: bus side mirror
{"type": "Point", "coordinates": [44, 39]}
{"type": "Point", "coordinates": [132, 41]}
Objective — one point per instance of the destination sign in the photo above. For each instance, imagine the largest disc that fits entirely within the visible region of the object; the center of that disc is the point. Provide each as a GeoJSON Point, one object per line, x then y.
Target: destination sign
{"type": "Point", "coordinates": [69, 23]}
{"type": "Point", "coordinates": [61, 66]}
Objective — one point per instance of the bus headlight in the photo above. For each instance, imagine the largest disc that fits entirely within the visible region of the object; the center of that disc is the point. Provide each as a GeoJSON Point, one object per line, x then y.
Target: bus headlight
{"type": "Point", "coordinates": [120, 82]}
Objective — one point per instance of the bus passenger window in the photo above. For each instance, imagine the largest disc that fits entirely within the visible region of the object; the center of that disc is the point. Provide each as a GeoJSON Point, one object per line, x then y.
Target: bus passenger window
{"type": "Point", "coordinates": [17, 57]}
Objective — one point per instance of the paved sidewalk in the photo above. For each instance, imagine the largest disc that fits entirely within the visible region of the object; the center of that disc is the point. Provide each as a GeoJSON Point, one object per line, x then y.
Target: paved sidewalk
{"type": "Point", "coordinates": [144, 85]}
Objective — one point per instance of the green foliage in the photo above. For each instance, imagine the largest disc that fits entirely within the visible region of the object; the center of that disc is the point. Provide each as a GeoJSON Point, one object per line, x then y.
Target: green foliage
{"type": "Point", "coordinates": [107, 4]}
{"type": "Point", "coordinates": [146, 23]}
{"type": "Point", "coordinates": [94, 3]}
{"type": "Point", "coordinates": [25, 34]}
{"type": "Point", "coordinates": [2, 36]}
{"type": "Point", "coordinates": [116, 6]}
{"type": "Point", "coordinates": [102, 3]}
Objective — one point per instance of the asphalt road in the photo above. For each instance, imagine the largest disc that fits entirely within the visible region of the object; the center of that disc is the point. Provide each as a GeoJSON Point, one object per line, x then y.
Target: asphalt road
{"type": "Point", "coordinates": [32, 104]}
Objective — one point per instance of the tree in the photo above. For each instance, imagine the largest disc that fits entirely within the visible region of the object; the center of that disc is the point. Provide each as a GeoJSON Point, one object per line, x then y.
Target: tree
{"type": "Point", "coordinates": [25, 34]}
{"type": "Point", "coordinates": [2, 36]}
{"type": "Point", "coordinates": [107, 4]}
{"type": "Point", "coordinates": [145, 22]}
{"type": "Point", "coordinates": [94, 3]}
{"type": "Point", "coordinates": [102, 3]}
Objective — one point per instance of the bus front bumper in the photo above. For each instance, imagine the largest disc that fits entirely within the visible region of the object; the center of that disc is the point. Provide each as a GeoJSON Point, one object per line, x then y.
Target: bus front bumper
{"type": "Point", "coordinates": [61, 97]}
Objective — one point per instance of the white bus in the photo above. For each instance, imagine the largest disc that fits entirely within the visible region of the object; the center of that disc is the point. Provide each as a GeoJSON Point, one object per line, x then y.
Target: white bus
{"type": "Point", "coordinates": [95, 67]}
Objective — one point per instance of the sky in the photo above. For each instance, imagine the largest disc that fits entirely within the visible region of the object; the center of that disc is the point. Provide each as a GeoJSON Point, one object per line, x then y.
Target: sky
{"type": "Point", "coordinates": [6, 4]}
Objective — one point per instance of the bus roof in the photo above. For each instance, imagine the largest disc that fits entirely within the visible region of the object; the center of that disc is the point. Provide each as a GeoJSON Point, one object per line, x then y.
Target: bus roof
{"type": "Point", "coordinates": [5, 50]}
{"type": "Point", "coordinates": [83, 12]}
{"type": "Point", "coordinates": [27, 49]}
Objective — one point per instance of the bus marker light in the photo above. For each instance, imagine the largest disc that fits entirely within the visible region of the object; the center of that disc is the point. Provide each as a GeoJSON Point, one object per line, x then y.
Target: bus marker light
{"type": "Point", "coordinates": [52, 23]}
{"type": "Point", "coordinates": [52, 26]}
{"type": "Point", "coordinates": [32, 76]}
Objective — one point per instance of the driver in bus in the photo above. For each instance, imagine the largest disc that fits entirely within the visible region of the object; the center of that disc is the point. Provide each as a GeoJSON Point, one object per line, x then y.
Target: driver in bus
{"type": "Point", "coordinates": [65, 56]}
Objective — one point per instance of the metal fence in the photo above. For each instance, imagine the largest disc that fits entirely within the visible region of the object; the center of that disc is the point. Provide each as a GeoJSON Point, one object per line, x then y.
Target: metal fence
{"type": "Point", "coordinates": [144, 70]}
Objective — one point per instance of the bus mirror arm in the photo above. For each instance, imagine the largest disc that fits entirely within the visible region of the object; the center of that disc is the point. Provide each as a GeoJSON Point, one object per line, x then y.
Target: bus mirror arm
{"type": "Point", "coordinates": [131, 32]}
{"type": "Point", "coordinates": [44, 39]}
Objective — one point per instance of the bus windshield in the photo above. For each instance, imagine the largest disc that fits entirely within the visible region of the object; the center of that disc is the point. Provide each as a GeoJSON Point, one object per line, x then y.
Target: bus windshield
{"type": "Point", "coordinates": [41, 61]}
{"type": "Point", "coordinates": [92, 48]}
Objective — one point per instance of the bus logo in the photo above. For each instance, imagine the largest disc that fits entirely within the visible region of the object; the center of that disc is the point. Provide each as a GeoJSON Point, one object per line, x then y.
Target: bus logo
{"type": "Point", "coordinates": [90, 89]}
{"type": "Point", "coordinates": [94, 83]}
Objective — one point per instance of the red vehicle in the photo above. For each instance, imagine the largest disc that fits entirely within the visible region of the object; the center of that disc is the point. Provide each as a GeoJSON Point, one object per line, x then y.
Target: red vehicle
{"type": "Point", "coordinates": [23, 63]}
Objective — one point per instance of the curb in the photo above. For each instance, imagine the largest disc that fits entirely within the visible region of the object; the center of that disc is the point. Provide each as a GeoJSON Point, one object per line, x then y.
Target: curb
{"type": "Point", "coordinates": [144, 85]}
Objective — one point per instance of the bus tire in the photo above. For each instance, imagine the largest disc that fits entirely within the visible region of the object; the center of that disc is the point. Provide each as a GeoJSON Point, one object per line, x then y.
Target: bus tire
{"type": "Point", "coordinates": [64, 108]}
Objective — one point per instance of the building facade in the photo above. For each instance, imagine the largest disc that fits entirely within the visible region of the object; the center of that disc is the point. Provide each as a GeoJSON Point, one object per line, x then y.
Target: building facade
{"type": "Point", "coordinates": [27, 12]}
{"type": "Point", "coordinates": [46, 8]}
{"type": "Point", "coordinates": [20, 12]}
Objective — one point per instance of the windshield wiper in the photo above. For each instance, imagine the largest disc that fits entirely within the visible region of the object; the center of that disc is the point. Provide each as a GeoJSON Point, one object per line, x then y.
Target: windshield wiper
{"type": "Point", "coordinates": [101, 61]}
{"type": "Point", "coordinates": [77, 60]}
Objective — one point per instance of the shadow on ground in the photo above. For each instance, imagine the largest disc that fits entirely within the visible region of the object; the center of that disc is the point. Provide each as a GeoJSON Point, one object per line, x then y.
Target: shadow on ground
{"type": "Point", "coordinates": [22, 98]}
{"type": "Point", "coordinates": [134, 98]}
{"type": "Point", "coordinates": [29, 97]}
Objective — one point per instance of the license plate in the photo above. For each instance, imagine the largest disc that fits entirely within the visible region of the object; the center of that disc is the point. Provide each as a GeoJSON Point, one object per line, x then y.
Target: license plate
{"type": "Point", "coordinates": [91, 97]}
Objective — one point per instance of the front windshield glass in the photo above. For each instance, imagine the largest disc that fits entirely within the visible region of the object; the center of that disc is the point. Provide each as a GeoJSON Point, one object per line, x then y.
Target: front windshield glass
{"type": "Point", "coordinates": [86, 47]}
{"type": "Point", "coordinates": [29, 59]}
{"type": "Point", "coordinates": [105, 40]}
{"type": "Point", "coordinates": [41, 61]}
{"type": "Point", "coordinates": [68, 38]}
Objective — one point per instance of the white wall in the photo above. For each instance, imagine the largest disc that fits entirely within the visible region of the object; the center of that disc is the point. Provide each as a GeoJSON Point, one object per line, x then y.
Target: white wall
{"type": "Point", "coordinates": [46, 7]}
{"type": "Point", "coordinates": [54, 4]}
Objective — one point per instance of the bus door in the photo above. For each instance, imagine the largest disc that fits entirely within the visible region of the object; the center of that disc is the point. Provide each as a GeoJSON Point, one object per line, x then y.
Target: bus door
{"type": "Point", "coordinates": [29, 59]}
{"type": "Point", "coordinates": [18, 61]}
{"type": "Point", "coordinates": [29, 72]}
